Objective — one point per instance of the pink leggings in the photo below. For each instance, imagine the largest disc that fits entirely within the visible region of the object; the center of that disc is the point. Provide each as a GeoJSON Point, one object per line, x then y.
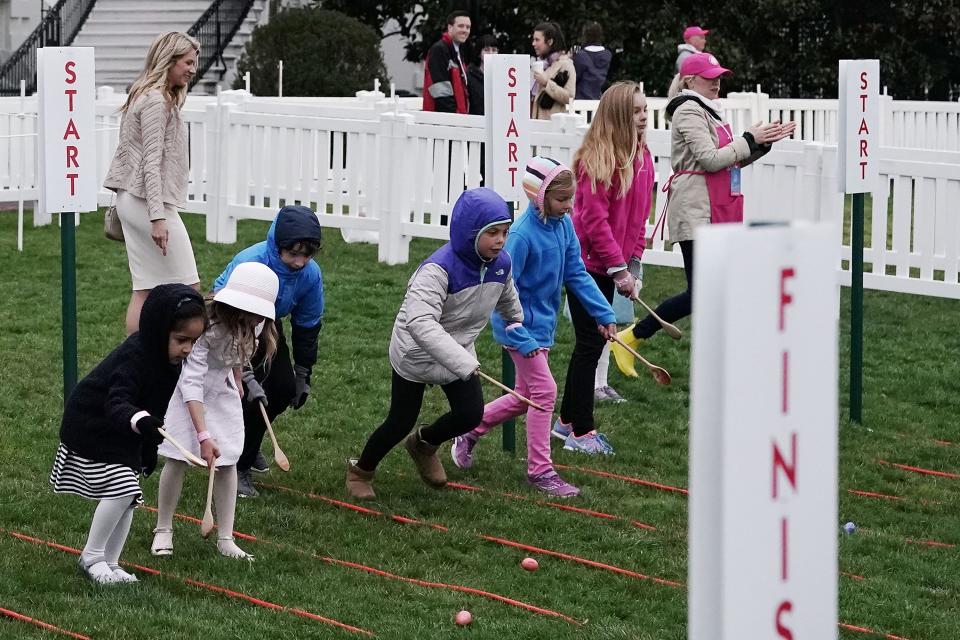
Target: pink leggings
{"type": "Point", "coordinates": [535, 382]}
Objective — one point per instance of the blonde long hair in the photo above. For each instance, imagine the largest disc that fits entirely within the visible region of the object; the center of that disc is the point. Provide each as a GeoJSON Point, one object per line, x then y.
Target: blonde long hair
{"type": "Point", "coordinates": [610, 145]}
{"type": "Point", "coordinates": [165, 51]}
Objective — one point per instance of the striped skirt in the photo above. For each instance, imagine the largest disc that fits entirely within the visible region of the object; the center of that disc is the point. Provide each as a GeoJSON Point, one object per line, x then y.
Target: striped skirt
{"type": "Point", "coordinates": [93, 480]}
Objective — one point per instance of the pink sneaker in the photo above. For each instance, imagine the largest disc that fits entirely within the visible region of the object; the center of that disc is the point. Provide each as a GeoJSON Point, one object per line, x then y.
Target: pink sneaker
{"type": "Point", "coordinates": [462, 451]}
{"type": "Point", "coordinates": [552, 484]}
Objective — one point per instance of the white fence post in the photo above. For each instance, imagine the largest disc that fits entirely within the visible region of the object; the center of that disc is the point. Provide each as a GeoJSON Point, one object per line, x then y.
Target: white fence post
{"type": "Point", "coordinates": [393, 202]}
{"type": "Point", "coordinates": [886, 120]}
{"type": "Point", "coordinates": [221, 226]}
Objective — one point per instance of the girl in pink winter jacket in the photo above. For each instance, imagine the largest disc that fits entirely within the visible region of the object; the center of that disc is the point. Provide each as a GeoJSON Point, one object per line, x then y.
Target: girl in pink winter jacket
{"type": "Point", "coordinates": [615, 176]}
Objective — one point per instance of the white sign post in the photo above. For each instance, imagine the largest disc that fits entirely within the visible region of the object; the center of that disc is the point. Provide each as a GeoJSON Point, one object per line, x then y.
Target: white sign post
{"type": "Point", "coordinates": [506, 87]}
{"type": "Point", "coordinates": [68, 168]}
{"type": "Point", "coordinates": [763, 435]}
{"type": "Point", "coordinates": [858, 172]}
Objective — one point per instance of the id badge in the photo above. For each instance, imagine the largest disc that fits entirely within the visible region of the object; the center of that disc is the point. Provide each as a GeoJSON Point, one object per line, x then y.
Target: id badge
{"type": "Point", "coordinates": [735, 181]}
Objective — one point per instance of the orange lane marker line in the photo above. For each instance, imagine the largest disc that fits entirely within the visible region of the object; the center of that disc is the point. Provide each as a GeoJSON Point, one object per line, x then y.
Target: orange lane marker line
{"type": "Point", "coordinates": [203, 585]}
{"type": "Point", "coordinates": [40, 623]}
{"type": "Point", "coordinates": [887, 636]}
{"type": "Point", "coordinates": [564, 507]}
{"type": "Point", "coordinates": [579, 560]}
{"type": "Point", "coordinates": [928, 472]}
{"type": "Point", "coordinates": [630, 479]}
{"type": "Point", "coordinates": [932, 543]}
{"type": "Point", "coordinates": [520, 545]}
{"type": "Point", "coordinates": [386, 574]}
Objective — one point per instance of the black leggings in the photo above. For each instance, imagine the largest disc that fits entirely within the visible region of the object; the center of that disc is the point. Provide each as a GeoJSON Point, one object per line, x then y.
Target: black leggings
{"type": "Point", "coordinates": [406, 398]}
{"type": "Point", "coordinates": [675, 308]}
{"type": "Point", "coordinates": [577, 404]}
{"type": "Point", "coordinates": [280, 386]}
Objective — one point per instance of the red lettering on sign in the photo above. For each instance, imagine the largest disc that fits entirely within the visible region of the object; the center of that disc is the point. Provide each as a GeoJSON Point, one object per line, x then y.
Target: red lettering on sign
{"type": "Point", "coordinates": [863, 80]}
{"type": "Point", "coordinates": [785, 298]}
{"type": "Point", "coordinates": [512, 127]}
{"type": "Point", "coordinates": [782, 630]}
{"type": "Point", "coordinates": [513, 176]}
{"type": "Point", "coordinates": [784, 383]}
{"type": "Point", "coordinates": [71, 130]}
{"type": "Point", "coordinates": [70, 93]}
{"type": "Point", "coordinates": [863, 149]}
{"type": "Point", "coordinates": [512, 75]}
{"type": "Point", "coordinates": [513, 96]}
{"type": "Point", "coordinates": [780, 464]}
{"type": "Point", "coordinates": [71, 74]}
{"type": "Point", "coordinates": [72, 177]}
{"type": "Point", "coordinates": [72, 156]}
{"type": "Point", "coordinates": [863, 102]}
{"type": "Point", "coordinates": [863, 170]}
{"type": "Point", "coordinates": [863, 127]}
{"type": "Point", "coordinates": [784, 545]}
{"type": "Point", "coordinates": [512, 152]}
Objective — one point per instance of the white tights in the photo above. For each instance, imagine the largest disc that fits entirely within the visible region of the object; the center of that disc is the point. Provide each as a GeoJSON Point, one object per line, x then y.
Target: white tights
{"type": "Point", "coordinates": [108, 531]}
{"type": "Point", "coordinates": [224, 502]}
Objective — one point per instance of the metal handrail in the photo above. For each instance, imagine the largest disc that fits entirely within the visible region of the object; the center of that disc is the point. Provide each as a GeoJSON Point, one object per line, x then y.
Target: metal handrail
{"type": "Point", "coordinates": [215, 29]}
{"type": "Point", "coordinates": [58, 28]}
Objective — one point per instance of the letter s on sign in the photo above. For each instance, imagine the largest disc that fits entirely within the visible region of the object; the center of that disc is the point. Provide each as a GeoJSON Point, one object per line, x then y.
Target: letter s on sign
{"type": "Point", "coordinates": [71, 74]}
{"type": "Point", "coordinates": [863, 80]}
{"type": "Point", "coordinates": [512, 74]}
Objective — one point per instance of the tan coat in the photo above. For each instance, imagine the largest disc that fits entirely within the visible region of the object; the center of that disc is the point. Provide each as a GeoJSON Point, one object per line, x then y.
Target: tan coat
{"type": "Point", "coordinates": [560, 94]}
{"type": "Point", "coordinates": [151, 161]}
{"type": "Point", "coordinates": [693, 147]}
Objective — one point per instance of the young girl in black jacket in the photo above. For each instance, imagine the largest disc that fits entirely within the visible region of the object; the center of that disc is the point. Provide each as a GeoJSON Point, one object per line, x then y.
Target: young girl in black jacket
{"type": "Point", "coordinates": [109, 432]}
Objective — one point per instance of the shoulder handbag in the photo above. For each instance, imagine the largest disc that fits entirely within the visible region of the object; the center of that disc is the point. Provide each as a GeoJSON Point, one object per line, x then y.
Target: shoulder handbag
{"type": "Point", "coordinates": [111, 224]}
{"type": "Point", "coordinates": [547, 102]}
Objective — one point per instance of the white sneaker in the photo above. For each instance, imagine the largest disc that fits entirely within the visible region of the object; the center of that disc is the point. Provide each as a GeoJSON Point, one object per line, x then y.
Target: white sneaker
{"type": "Point", "coordinates": [227, 547]}
{"type": "Point", "coordinates": [99, 572]}
{"type": "Point", "coordinates": [121, 575]}
{"type": "Point", "coordinates": [162, 542]}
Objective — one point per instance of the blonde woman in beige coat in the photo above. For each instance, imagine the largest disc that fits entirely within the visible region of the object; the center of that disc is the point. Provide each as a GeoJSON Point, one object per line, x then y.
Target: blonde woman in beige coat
{"type": "Point", "coordinates": [554, 76]}
{"type": "Point", "coordinates": [150, 168]}
{"type": "Point", "coordinates": [705, 185]}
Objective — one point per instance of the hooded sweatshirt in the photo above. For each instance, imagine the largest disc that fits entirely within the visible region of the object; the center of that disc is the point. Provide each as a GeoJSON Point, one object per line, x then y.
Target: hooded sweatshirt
{"type": "Point", "coordinates": [301, 291]}
{"type": "Point", "coordinates": [452, 294]}
{"type": "Point", "coordinates": [684, 50]}
{"type": "Point", "coordinates": [136, 376]}
{"type": "Point", "coordinates": [592, 64]}
{"type": "Point", "coordinates": [546, 256]}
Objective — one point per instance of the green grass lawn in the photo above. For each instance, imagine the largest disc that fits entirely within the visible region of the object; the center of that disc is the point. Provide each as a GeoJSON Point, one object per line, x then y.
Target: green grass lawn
{"type": "Point", "coordinates": [911, 373]}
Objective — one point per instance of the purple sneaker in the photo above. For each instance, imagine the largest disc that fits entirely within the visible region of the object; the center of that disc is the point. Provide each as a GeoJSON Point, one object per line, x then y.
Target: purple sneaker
{"type": "Point", "coordinates": [552, 484]}
{"type": "Point", "coordinates": [461, 451]}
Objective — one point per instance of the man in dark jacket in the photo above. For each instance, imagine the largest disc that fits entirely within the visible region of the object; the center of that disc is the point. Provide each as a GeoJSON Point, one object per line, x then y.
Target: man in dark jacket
{"type": "Point", "coordinates": [445, 74]}
{"type": "Point", "coordinates": [592, 63]}
{"type": "Point", "coordinates": [291, 242]}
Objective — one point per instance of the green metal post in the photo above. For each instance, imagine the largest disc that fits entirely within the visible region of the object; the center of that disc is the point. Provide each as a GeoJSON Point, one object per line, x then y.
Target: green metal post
{"type": "Point", "coordinates": [68, 280]}
{"type": "Point", "coordinates": [508, 376]}
{"type": "Point", "coordinates": [856, 311]}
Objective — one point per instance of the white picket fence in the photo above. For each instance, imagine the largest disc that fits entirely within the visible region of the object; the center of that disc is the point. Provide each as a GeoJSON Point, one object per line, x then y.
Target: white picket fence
{"type": "Point", "coordinates": [385, 174]}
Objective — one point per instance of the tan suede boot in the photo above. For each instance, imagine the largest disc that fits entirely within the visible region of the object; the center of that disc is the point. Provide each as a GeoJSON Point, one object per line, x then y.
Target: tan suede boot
{"type": "Point", "coordinates": [360, 483]}
{"type": "Point", "coordinates": [426, 459]}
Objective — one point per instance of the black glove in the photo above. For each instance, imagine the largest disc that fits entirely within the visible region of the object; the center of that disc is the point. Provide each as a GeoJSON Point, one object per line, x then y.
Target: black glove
{"type": "Point", "coordinates": [149, 428]}
{"type": "Point", "coordinates": [255, 392]}
{"type": "Point", "coordinates": [302, 386]}
{"type": "Point", "coordinates": [148, 458]}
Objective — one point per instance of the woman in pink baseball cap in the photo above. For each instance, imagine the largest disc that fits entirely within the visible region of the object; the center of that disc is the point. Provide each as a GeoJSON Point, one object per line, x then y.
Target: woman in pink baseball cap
{"type": "Point", "coordinates": [705, 185]}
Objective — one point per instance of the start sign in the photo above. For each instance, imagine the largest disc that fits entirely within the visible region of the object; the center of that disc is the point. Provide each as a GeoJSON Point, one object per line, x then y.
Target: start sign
{"type": "Point", "coordinates": [65, 82]}
{"type": "Point", "coordinates": [506, 87]}
{"type": "Point", "coordinates": [763, 434]}
{"type": "Point", "coordinates": [859, 125]}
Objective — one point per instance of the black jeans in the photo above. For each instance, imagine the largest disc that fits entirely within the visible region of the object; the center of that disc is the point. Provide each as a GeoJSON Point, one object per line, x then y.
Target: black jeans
{"type": "Point", "coordinates": [406, 398]}
{"type": "Point", "coordinates": [675, 308]}
{"type": "Point", "coordinates": [280, 386]}
{"type": "Point", "coordinates": [577, 404]}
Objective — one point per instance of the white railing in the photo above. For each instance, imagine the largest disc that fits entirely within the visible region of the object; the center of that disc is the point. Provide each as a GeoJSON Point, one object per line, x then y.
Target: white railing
{"type": "Point", "coordinates": [385, 174]}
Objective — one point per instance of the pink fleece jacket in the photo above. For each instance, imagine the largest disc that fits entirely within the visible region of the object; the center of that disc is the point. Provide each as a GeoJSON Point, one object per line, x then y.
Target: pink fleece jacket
{"type": "Point", "coordinates": [612, 229]}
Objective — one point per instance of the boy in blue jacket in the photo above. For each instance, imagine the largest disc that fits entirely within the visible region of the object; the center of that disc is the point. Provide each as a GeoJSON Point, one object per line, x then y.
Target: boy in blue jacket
{"type": "Point", "coordinates": [546, 255]}
{"type": "Point", "coordinates": [292, 240]}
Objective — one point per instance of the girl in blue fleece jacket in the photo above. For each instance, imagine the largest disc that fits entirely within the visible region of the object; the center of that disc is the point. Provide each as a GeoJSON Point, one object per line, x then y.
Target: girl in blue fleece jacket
{"type": "Point", "coordinates": [546, 256]}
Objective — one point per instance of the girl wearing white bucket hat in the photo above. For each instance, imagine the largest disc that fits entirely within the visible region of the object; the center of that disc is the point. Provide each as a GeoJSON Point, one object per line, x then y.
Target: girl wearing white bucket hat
{"type": "Point", "coordinates": [205, 414]}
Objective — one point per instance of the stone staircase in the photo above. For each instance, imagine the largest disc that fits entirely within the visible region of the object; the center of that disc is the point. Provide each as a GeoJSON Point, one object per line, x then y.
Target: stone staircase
{"type": "Point", "coordinates": [121, 32]}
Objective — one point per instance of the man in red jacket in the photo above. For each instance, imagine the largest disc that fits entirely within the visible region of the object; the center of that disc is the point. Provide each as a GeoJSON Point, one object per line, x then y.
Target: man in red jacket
{"type": "Point", "coordinates": [445, 74]}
